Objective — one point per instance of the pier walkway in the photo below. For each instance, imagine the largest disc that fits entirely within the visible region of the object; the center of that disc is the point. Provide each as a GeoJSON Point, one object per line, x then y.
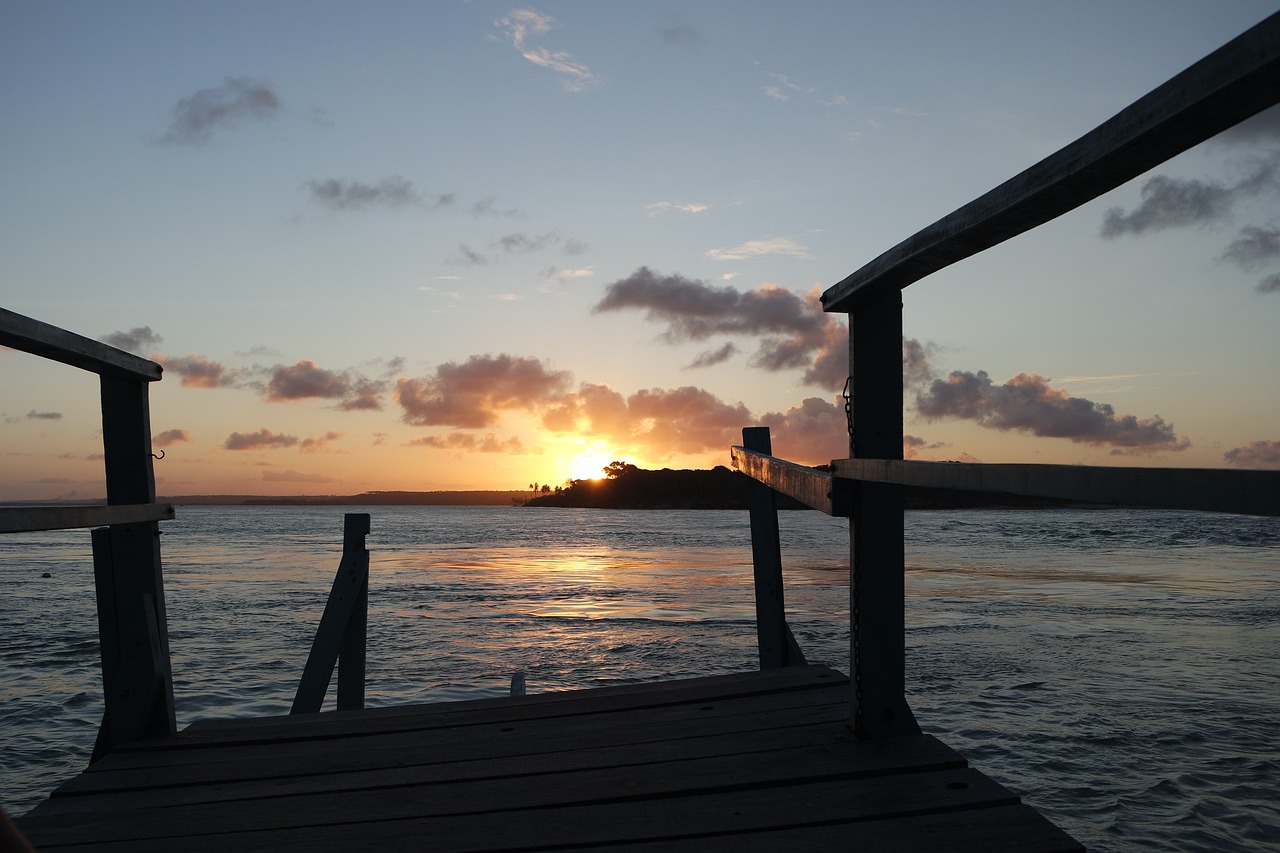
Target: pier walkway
{"type": "Point", "coordinates": [759, 761]}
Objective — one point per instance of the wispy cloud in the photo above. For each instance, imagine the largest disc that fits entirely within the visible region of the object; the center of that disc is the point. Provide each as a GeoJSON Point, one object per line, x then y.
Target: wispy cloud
{"type": "Point", "coordinates": [660, 207]}
{"type": "Point", "coordinates": [394, 192]}
{"type": "Point", "coordinates": [1169, 202]}
{"type": "Point", "coordinates": [236, 101]}
{"type": "Point", "coordinates": [465, 441]}
{"type": "Point", "coordinates": [272, 476]}
{"type": "Point", "coordinates": [33, 415]}
{"type": "Point", "coordinates": [785, 246]}
{"type": "Point", "coordinates": [680, 35]}
{"type": "Point", "coordinates": [524, 24]}
{"type": "Point", "coordinates": [137, 340]}
{"type": "Point", "coordinates": [519, 243]}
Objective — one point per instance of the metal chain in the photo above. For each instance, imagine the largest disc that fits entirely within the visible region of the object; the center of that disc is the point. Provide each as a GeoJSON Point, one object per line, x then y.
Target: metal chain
{"type": "Point", "coordinates": [855, 580]}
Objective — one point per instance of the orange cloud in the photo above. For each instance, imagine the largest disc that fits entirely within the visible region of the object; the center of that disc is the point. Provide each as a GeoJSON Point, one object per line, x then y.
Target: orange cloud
{"type": "Point", "coordinates": [472, 394]}
{"type": "Point", "coordinates": [262, 439]}
{"type": "Point", "coordinates": [170, 437]}
{"type": "Point", "coordinates": [1255, 454]}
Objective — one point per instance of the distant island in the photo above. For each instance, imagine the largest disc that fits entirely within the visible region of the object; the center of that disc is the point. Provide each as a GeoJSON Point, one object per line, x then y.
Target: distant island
{"type": "Point", "coordinates": [438, 498]}
{"type": "Point", "coordinates": [627, 487]}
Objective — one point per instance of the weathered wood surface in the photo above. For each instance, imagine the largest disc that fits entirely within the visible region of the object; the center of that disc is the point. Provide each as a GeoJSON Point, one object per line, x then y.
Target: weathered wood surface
{"type": "Point", "coordinates": [1236, 81]}
{"type": "Point", "coordinates": [753, 761]}
{"type": "Point", "coordinates": [1201, 489]}
{"type": "Point", "coordinates": [24, 519]}
{"type": "Point", "coordinates": [811, 486]}
{"type": "Point", "coordinates": [776, 643]}
{"type": "Point", "coordinates": [340, 636]}
{"type": "Point", "coordinates": [28, 335]}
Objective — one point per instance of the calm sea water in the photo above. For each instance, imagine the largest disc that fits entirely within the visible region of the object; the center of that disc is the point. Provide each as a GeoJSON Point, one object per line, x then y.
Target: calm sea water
{"type": "Point", "coordinates": [1120, 671]}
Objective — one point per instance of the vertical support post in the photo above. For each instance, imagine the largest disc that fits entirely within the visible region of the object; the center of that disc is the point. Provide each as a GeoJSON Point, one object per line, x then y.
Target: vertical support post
{"type": "Point", "coordinates": [877, 561]}
{"type": "Point", "coordinates": [342, 628]}
{"type": "Point", "coordinates": [132, 621]}
{"type": "Point", "coordinates": [778, 647]}
{"type": "Point", "coordinates": [351, 657]}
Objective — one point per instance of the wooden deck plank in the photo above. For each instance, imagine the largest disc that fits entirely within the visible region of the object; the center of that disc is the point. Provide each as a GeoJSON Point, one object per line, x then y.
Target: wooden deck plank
{"type": "Point", "coordinates": [672, 806]}
{"type": "Point", "coordinates": [911, 755]}
{"type": "Point", "coordinates": [726, 758]}
{"type": "Point", "coordinates": [596, 699]}
{"type": "Point", "coordinates": [1001, 828]}
{"type": "Point", "coordinates": [440, 746]}
{"type": "Point", "coordinates": [470, 728]}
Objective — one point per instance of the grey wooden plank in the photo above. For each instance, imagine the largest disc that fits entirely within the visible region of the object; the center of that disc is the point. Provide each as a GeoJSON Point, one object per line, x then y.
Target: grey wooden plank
{"type": "Point", "coordinates": [24, 519]}
{"type": "Point", "coordinates": [579, 809]}
{"type": "Point", "coordinates": [1236, 81]}
{"type": "Point", "coordinates": [558, 755]}
{"type": "Point", "coordinates": [1008, 828]}
{"type": "Point", "coordinates": [1202, 489]}
{"type": "Point", "coordinates": [266, 760]}
{"type": "Point", "coordinates": [503, 709]}
{"type": "Point", "coordinates": [813, 487]}
{"type": "Point", "coordinates": [42, 339]}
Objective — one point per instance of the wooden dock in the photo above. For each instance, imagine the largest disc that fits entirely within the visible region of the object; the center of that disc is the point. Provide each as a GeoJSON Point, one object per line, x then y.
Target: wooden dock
{"type": "Point", "coordinates": [759, 761]}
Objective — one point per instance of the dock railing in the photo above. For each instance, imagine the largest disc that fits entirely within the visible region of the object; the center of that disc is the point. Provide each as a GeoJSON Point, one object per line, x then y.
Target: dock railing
{"type": "Point", "coordinates": [132, 625]}
{"type": "Point", "coordinates": [1237, 81]}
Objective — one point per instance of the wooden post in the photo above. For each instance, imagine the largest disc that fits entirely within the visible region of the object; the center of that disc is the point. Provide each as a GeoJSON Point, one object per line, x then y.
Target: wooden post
{"type": "Point", "coordinates": [876, 588]}
{"type": "Point", "coordinates": [778, 647]}
{"type": "Point", "coordinates": [132, 622]}
{"type": "Point", "coordinates": [341, 633]}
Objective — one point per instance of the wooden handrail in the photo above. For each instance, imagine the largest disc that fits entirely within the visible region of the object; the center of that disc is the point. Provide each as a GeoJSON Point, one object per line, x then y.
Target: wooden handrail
{"type": "Point", "coordinates": [42, 339]}
{"type": "Point", "coordinates": [1240, 79]}
{"type": "Point", "coordinates": [25, 519]}
{"type": "Point", "coordinates": [1201, 489]}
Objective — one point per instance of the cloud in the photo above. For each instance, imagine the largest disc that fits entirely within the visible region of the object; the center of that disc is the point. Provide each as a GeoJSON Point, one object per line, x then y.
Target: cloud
{"type": "Point", "coordinates": [306, 380]}
{"type": "Point", "coordinates": [1270, 284]}
{"type": "Point", "coordinates": [200, 372]}
{"type": "Point", "coordinates": [794, 332]}
{"type": "Point", "coordinates": [237, 100]}
{"type": "Point", "coordinates": [521, 25]}
{"type": "Point", "coordinates": [1254, 247]}
{"type": "Point", "coordinates": [680, 35]}
{"type": "Point", "coordinates": [393, 192]}
{"type": "Point", "coordinates": [472, 394]}
{"type": "Point", "coordinates": [485, 207]}
{"type": "Point", "coordinates": [1180, 202]}
{"type": "Point", "coordinates": [912, 445]}
{"type": "Point", "coordinates": [170, 437]}
{"type": "Point", "coordinates": [296, 477]}
{"type": "Point", "coordinates": [784, 246]}
{"type": "Point", "coordinates": [660, 421]}
{"type": "Point", "coordinates": [713, 357]}
{"type": "Point", "coordinates": [33, 415]}
{"type": "Point", "coordinates": [490, 443]}
{"type": "Point", "coordinates": [813, 433]}
{"type": "Point", "coordinates": [137, 340]}
{"type": "Point", "coordinates": [685, 420]}
{"type": "Point", "coordinates": [660, 207]}
{"type": "Point", "coordinates": [1027, 403]}
{"type": "Point", "coordinates": [1255, 454]}
{"type": "Point", "coordinates": [260, 440]}
{"type": "Point", "coordinates": [519, 243]}
{"type": "Point", "coordinates": [317, 443]}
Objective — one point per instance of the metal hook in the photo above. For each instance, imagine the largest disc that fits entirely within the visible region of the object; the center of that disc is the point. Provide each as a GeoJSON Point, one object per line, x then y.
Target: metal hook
{"type": "Point", "coordinates": [161, 456]}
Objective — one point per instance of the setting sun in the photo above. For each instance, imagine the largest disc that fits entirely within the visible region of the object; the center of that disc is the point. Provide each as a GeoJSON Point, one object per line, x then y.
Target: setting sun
{"type": "Point", "coordinates": [589, 465]}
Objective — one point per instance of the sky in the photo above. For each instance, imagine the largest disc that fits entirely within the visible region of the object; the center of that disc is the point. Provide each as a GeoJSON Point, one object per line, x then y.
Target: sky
{"type": "Point", "coordinates": [480, 245]}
